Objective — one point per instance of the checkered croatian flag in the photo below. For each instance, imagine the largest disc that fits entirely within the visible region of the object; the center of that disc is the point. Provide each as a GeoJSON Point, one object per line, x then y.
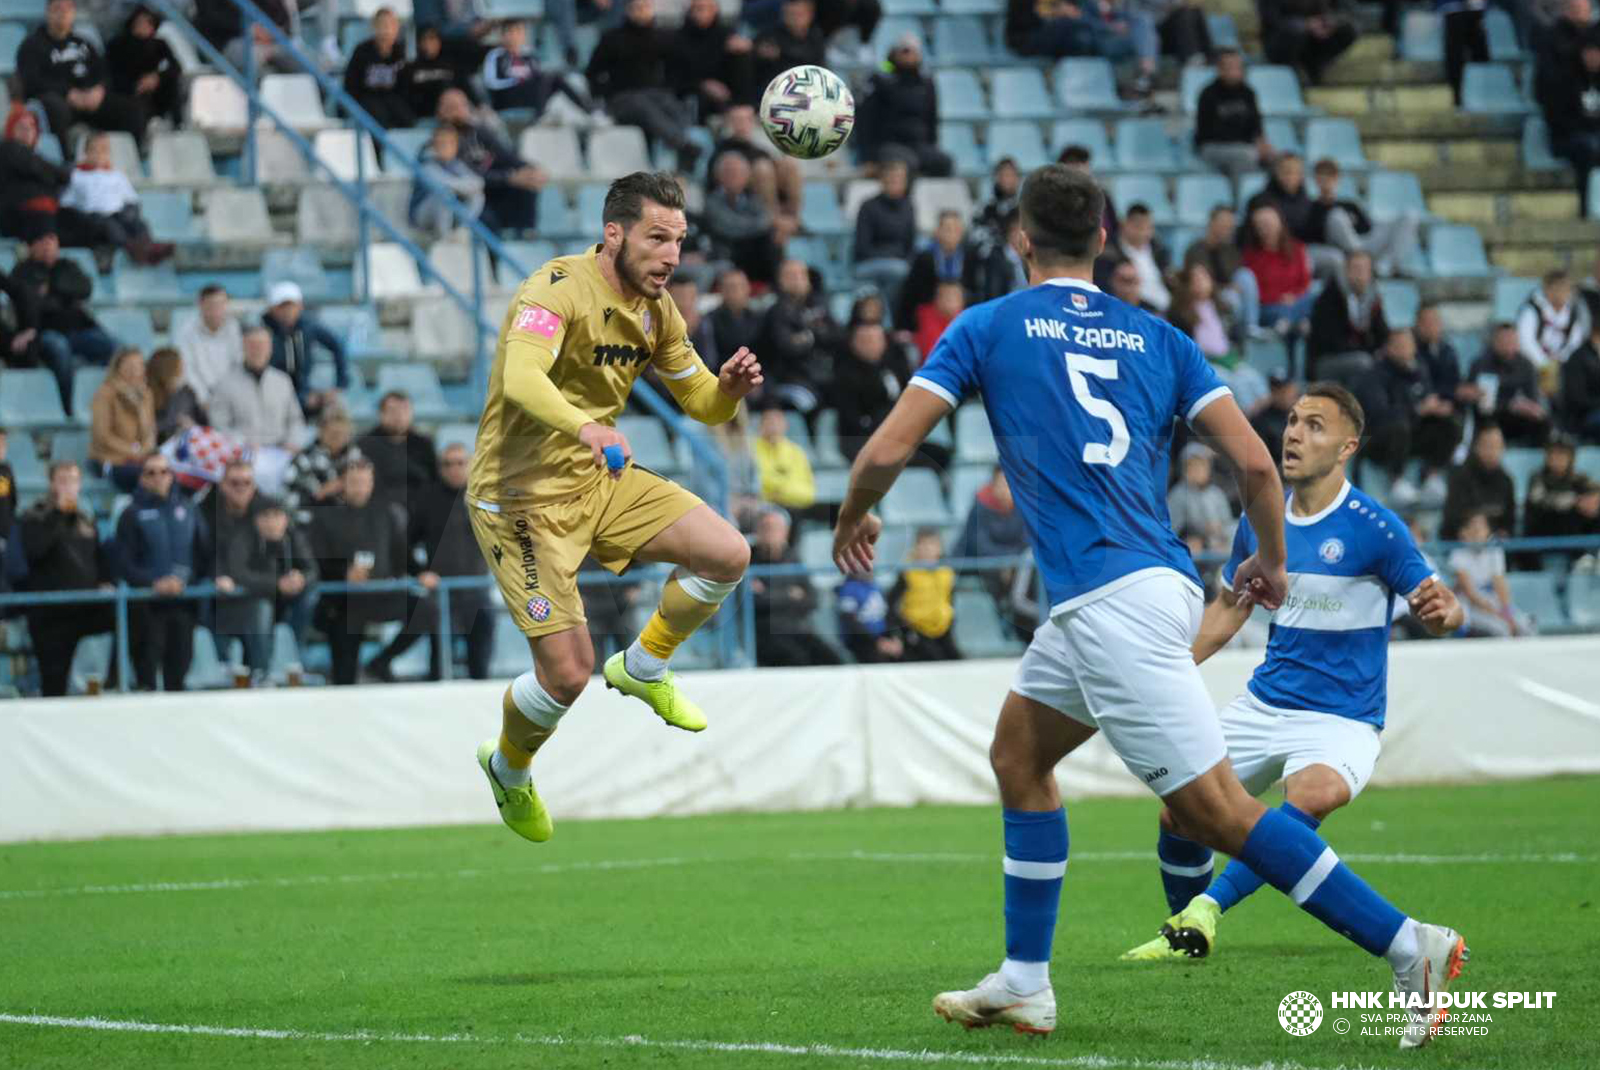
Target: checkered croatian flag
{"type": "Point", "coordinates": [199, 455]}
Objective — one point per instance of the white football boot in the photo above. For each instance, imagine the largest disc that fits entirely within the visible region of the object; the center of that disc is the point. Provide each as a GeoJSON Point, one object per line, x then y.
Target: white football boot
{"type": "Point", "coordinates": [1443, 954]}
{"type": "Point", "coordinates": [993, 1003]}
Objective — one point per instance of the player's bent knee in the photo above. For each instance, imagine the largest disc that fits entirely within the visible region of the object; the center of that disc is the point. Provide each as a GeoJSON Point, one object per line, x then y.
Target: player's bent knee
{"type": "Point", "coordinates": [726, 562]}
{"type": "Point", "coordinates": [1318, 796]}
{"type": "Point", "coordinates": [1013, 765]}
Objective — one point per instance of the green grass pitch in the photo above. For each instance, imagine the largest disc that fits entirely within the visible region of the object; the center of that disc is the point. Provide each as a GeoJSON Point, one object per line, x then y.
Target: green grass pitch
{"type": "Point", "coordinates": [762, 941]}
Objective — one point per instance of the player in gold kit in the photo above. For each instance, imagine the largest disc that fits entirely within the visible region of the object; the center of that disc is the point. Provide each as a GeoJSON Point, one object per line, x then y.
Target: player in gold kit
{"type": "Point", "coordinates": [552, 480]}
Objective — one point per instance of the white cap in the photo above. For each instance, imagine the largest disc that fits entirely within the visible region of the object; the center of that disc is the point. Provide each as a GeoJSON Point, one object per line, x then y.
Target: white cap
{"type": "Point", "coordinates": [284, 291]}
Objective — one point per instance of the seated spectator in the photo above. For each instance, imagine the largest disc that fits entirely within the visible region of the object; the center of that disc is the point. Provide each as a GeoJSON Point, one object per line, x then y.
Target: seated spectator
{"type": "Point", "coordinates": [932, 318]}
{"type": "Point", "coordinates": [144, 68]}
{"type": "Point", "coordinates": [738, 223]}
{"type": "Point", "coordinates": [784, 471]}
{"type": "Point", "coordinates": [510, 184]}
{"type": "Point", "coordinates": [1569, 96]}
{"type": "Point", "coordinates": [514, 79]}
{"type": "Point", "coordinates": [1197, 505]}
{"type": "Point", "coordinates": [1195, 312]}
{"type": "Point", "coordinates": [628, 70]}
{"type": "Point", "coordinates": [1063, 28]}
{"type": "Point", "coordinates": [794, 42]}
{"type": "Point", "coordinates": [21, 344]}
{"type": "Point", "coordinates": [785, 635]}
{"type": "Point", "coordinates": [1138, 245]}
{"type": "Point", "coordinates": [946, 260]}
{"type": "Point", "coordinates": [122, 421]}
{"type": "Point", "coordinates": [712, 63]}
{"type": "Point", "coordinates": [373, 75]}
{"type": "Point", "coordinates": [868, 380]}
{"type": "Point", "coordinates": [222, 23]}
{"type": "Point", "coordinates": [1438, 355]}
{"type": "Point", "coordinates": [160, 546]}
{"type": "Point", "coordinates": [1479, 571]}
{"type": "Point", "coordinates": [177, 406]}
{"type": "Point", "coordinates": [734, 324]}
{"type": "Point", "coordinates": [313, 479]}
{"type": "Point", "coordinates": [403, 459]}
{"type": "Point", "coordinates": [358, 540]}
{"type": "Point", "coordinates": [1271, 420]}
{"type": "Point", "coordinates": [775, 178]}
{"type": "Point", "coordinates": [61, 70]}
{"type": "Point", "coordinates": [1005, 183]}
{"type": "Point", "coordinates": [1124, 286]}
{"type": "Point", "coordinates": [1305, 34]}
{"type": "Point", "coordinates": [296, 334]}
{"type": "Point", "coordinates": [62, 552]}
{"type": "Point", "coordinates": [1286, 191]}
{"type": "Point", "coordinates": [923, 601]}
{"type": "Point", "coordinates": [1282, 272]}
{"type": "Point", "coordinates": [863, 616]}
{"type": "Point", "coordinates": [886, 230]}
{"type": "Point", "coordinates": [1234, 283]}
{"type": "Point", "coordinates": [797, 340]}
{"type": "Point", "coordinates": [272, 574]}
{"type": "Point", "coordinates": [442, 546]}
{"type": "Point", "coordinates": [1562, 502]}
{"type": "Point", "coordinates": [1509, 391]}
{"type": "Point", "coordinates": [30, 185]}
{"type": "Point", "coordinates": [1580, 388]}
{"type": "Point", "coordinates": [67, 329]}
{"type": "Point", "coordinates": [1481, 485]}
{"type": "Point", "coordinates": [441, 161]}
{"type": "Point", "coordinates": [256, 404]}
{"type": "Point", "coordinates": [1347, 323]}
{"type": "Point", "coordinates": [1228, 133]}
{"type": "Point", "coordinates": [1551, 324]}
{"type": "Point", "coordinates": [211, 343]}
{"type": "Point", "coordinates": [900, 114]}
{"type": "Point", "coordinates": [229, 509]}
{"type": "Point", "coordinates": [1343, 225]}
{"type": "Point", "coordinates": [1394, 396]}
{"type": "Point", "coordinates": [696, 327]}
{"type": "Point", "coordinates": [108, 207]}
{"type": "Point", "coordinates": [425, 77]}
{"type": "Point", "coordinates": [994, 528]}
{"type": "Point", "coordinates": [996, 268]}
{"type": "Point", "coordinates": [462, 23]}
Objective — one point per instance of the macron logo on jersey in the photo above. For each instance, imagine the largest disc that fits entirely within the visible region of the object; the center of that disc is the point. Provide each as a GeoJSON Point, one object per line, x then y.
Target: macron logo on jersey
{"type": "Point", "coordinates": [1088, 337]}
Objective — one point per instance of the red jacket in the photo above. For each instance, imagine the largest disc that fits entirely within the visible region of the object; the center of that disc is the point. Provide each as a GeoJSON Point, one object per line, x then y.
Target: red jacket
{"type": "Point", "coordinates": [930, 325]}
{"type": "Point", "coordinates": [1281, 277]}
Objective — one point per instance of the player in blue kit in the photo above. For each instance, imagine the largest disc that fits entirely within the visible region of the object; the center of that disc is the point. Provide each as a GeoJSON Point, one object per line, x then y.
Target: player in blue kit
{"type": "Point", "coordinates": [1314, 708]}
{"type": "Point", "coordinates": [1081, 392]}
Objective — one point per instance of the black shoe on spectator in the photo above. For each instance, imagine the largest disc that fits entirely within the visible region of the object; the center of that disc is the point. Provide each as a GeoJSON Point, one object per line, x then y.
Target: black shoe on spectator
{"type": "Point", "coordinates": [379, 670]}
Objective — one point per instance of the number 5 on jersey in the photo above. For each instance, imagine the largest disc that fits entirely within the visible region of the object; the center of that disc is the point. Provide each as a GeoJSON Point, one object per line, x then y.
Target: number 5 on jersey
{"type": "Point", "coordinates": [1112, 453]}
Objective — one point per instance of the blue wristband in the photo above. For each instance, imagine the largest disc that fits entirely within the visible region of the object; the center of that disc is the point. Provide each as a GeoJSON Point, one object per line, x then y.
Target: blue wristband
{"type": "Point", "coordinates": [614, 458]}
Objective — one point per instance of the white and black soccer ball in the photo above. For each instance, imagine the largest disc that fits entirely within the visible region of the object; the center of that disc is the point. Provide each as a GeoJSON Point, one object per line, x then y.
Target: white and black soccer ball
{"type": "Point", "coordinates": [808, 112]}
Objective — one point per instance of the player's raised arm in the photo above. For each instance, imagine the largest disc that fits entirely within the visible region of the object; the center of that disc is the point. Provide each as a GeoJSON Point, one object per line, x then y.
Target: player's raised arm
{"type": "Point", "coordinates": [876, 468]}
{"type": "Point", "coordinates": [710, 399]}
{"type": "Point", "coordinates": [1263, 577]}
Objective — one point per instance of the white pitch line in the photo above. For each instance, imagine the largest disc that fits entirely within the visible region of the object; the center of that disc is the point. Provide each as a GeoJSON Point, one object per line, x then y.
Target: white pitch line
{"type": "Point", "coordinates": [1561, 858]}
{"type": "Point", "coordinates": [813, 1051]}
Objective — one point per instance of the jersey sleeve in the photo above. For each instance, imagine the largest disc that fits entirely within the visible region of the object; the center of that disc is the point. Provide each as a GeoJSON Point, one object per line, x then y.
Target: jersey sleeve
{"type": "Point", "coordinates": [951, 370]}
{"type": "Point", "coordinates": [538, 320]}
{"type": "Point", "coordinates": [1198, 382]}
{"type": "Point", "coordinates": [1244, 544]}
{"type": "Point", "coordinates": [1402, 566]}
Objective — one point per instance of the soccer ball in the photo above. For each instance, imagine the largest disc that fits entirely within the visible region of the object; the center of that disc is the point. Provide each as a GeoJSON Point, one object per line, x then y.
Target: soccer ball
{"type": "Point", "coordinates": [808, 112]}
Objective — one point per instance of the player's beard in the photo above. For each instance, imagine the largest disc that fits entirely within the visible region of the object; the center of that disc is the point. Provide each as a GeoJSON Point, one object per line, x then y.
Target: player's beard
{"type": "Point", "coordinates": [637, 281]}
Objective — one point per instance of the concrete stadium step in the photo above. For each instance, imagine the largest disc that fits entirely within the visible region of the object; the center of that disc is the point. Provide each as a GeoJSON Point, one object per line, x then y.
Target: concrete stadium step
{"type": "Point", "coordinates": [1483, 178]}
{"type": "Point", "coordinates": [1535, 261]}
{"type": "Point", "coordinates": [1488, 209]}
{"type": "Point", "coordinates": [1409, 154]}
{"type": "Point", "coordinates": [1383, 72]}
{"type": "Point", "coordinates": [1355, 102]}
{"type": "Point", "coordinates": [1443, 124]}
{"type": "Point", "coordinates": [1581, 233]}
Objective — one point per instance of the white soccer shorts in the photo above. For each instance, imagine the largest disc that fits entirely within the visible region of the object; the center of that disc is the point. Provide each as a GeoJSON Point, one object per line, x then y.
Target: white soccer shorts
{"type": "Point", "coordinates": [1122, 663]}
{"type": "Point", "coordinates": [1266, 744]}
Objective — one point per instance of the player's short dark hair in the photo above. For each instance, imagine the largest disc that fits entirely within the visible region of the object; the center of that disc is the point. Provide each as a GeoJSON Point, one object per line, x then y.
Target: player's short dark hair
{"type": "Point", "coordinates": [1341, 397]}
{"type": "Point", "coordinates": [627, 195]}
{"type": "Point", "coordinates": [1061, 213]}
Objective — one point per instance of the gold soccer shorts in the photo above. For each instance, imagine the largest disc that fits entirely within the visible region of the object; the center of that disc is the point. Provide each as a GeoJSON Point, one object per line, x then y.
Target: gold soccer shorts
{"type": "Point", "coordinates": [534, 550]}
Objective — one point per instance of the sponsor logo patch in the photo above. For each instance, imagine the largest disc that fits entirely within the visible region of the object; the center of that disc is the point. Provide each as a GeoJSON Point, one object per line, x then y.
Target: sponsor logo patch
{"type": "Point", "coordinates": [539, 608]}
{"type": "Point", "coordinates": [539, 321]}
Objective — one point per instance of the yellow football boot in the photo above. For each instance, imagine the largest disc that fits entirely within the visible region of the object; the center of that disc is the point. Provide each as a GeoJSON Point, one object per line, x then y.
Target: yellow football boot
{"type": "Point", "coordinates": [663, 696]}
{"type": "Point", "coordinates": [520, 806]}
{"type": "Point", "coordinates": [1189, 934]}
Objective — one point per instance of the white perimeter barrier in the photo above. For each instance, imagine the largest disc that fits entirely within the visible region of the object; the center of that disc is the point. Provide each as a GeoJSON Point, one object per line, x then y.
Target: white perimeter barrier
{"type": "Point", "coordinates": [800, 739]}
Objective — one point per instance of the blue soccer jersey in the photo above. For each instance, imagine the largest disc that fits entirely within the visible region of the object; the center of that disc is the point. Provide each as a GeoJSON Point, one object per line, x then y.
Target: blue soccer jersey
{"type": "Point", "coordinates": [1081, 391]}
{"type": "Point", "coordinates": [1328, 650]}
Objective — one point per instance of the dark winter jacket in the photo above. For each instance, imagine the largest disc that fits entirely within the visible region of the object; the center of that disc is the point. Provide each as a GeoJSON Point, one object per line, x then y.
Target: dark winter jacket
{"type": "Point", "coordinates": [292, 354]}
{"type": "Point", "coordinates": [159, 537]}
{"type": "Point", "coordinates": [1580, 386]}
{"type": "Point", "coordinates": [256, 564]}
{"type": "Point", "coordinates": [1444, 369]}
{"type": "Point", "coordinates": [777, 50]}
{"type": "Point", "coordinates": [1294, 207]}
{"type": "Point", "coordinates": [46, 65]}
{"type": "Point", "coordinates": [1570, 98]}
{"type": "Point", "coordinates": [26, 176]}
{"type": "Point", "coordinates": [1552, 506]}
{"type": "Point", "coordinates": [732, 330]}
{"type": "Point", "coordinates": [374, 535]}
{"type": "Point", "coordinates": [423, 81]}
{"type": "Point", "coordinates": [1227, 114]}
{"type": "Point", "coordinates": [701, 52]}
{"type": "Point", "coordinates": [440, 528]}
{"type": "Point", "coordinates": [62, 289]}
{"type": "Point", "coordinates": [864, 393]}
{"type": "Point", "coordinates": [62, 551]}
{"type": "Point", "coordinates": [901, 108]}
{"type": "Point", "coordinates": [1389, 394]}
{"type": "Point", "coordinates": [1474, 488]}
{"type": "Point", "coordinates": [372, 72]}
{"type": "Point", "coordinates": [886, 228]}
{"type": "Point", "coordinates": [487, 154]}
{"type": "Point", "coordinates": [403, 469]}
{"type": "Point", "coordinates": [1517, 378]}
{"type": "Point", "coordinates": [1317, 219]}
{"type": "Point", "coordinates": [129, 58]}
{"type": "Point", "coordinates": [1333, 331]}
{"type": "Point", "coordinates": [628, 58]}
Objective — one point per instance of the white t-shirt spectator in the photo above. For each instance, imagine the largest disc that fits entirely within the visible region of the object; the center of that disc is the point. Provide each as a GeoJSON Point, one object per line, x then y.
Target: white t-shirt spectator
{"type": "Point", "coordinates": [208, 358]}
{"type": "Point", "coordinates": [1480, 564]}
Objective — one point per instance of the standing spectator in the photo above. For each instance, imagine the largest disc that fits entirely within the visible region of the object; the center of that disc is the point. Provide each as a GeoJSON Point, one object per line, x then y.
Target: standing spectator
{"type": "Point", "coordinates": [122, 421]}
{"type": "Point", "coordinates": [441, 161]}
{"type": "Point", "coordinates": [67, 329]}
{"type": "Point", "coordinates": [1305, 34]}
{"type": "Point", "coordinates": [785, 472]}
{"type": "Point", "coordinates": [1580, 388]}
{"type": "Point", "coordinates": [1481, 485]}
{"type": "Point", "coordinates": [510, 184]}
{"type": "Point", "coordinates": [1480, 582]}
{"type": "Point", "coordinates": [1509, 391]}
{"type": "Point", "coordinates": [739, 224]}
{"type": "Point", "coordinates": [62, 552]}
{"type": "Point", "coordinates": [1347, 323]}
{"type": "Point", "coordinates": [900, 114]}
{"type": "Point", "coordinates": [512, 75]}
{"type": "Point", "coordinates": [256, 404]}
{"type": "Point", "coordinates": [712, 63]}
{"type": "Point", "coordinates": [1282, 271]}
{"type": "Point", "coordinates": [994, 528]}
{"type": "Point", "coordinates": [177, 406]}
{"type": "Point", "coordinates": [1569, 95]}
{"type": "Point", "coordinates": [1464, 39]}
{"type": "Point", "coordinates": [211, 343]}
{"type": "Point", "coordinates": [63, 72]}
{"type": "Point", "coordinates": [425, 77]}
{"type": "Point", "coordinates": [867, 383]}
{"type": "Point", "coordinates": [1228, 133]}
{"type": "Point", "coordinates": [923, 600]}
{"type": "Point", "coordinates": [271, 570]}
{"type": "Point", "coordinates": [359, 540]}
{"type": "Point", "coordinates": [1344, 225]}
{"type": "Point", "coordinates": [1137, 244]}
{"type": "Point", "coordinates": [932, 318]}
{"type": "Point", "coordinates": [863, 614]}
{"type": "Point", "coordinates": [1124, 286]}
{"type": "Point", "coordinates": [229, 509]}
{"type": "Point", "coordinates": [775, 179]}
{"type": "Point", "coordinates": [159, 543]}
{"type": "Point", "coordinates": [295, 333]}
{"type": "Point", "coordinates": [442, 546]}
{"type": "Point", "coordinates": [1551, 324]}
{"type": "Point", "coordinates": [1235, 283]}
{"type": "Point", "coordinates": [1562, 502]}
{"type": "Point", "coordinates": [628, 69]}
{"type": "Point", "coordinates": [1005, 182]}
{"type": "Point", "coordinates": [797, 340]}
{"type": "Point", "coordinates": [996, 268]}
{"type": "Point", "coordinates": [1194, 311]}
{"type": "Point", "coordinates": [30, 185]}
{"type": "Point", "coordinates": [144, 69]}
{"type": "Point", "coordinates": [886, 230]}
{"type": "Point", "coordinates": [1394, 396]}
{"type": "Point", "coordinates": [785, 635]}
{"type": "Point", "coordinates": [314, 476]}
{"type": "Point", "coordinates": [373, 75]}
{"type": "Point", "coordinates": [403, 460]}
{"type": "Point", "coordinates": [1272, 420]}
{"type": "Point", "coordinates": [101, 201]}
{"type": "Point", "coordinates": [734, 324]}
{"type": "Point", "coordinates": [946, 260]}
{"type": "Point", "coordinates": [1198, 506]}
{"type": "Point", "coordinates": [795, 42]}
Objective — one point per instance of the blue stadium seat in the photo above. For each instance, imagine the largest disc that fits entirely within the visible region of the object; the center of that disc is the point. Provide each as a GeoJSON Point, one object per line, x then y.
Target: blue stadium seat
{"type": "Point", "coordinates": [1401, 299]}
{"type": "Point", "coordinates": [1277, 89]}
{"type": "Point", "coordinates": [206, 670]}
{"type": "Point", "coordinates": [1520, 463]}
{"type": "Point", "coordinates": [979, 632]}
{"type": "Point", "coordinates": [510, 655]}
{"type": "Point", "coordinates": [974, 438]}
{"type": "Point", "coordinates": [832, 483]}
{"type": "Point", "coordinates": [1536, 154]}
{"type": "Point", "coordinates": [591, 203]}
{"type": "Point", "coordinates": [1144, 145]}
{"type": "Point", "coordinates": [1421, 39]}
{"type": "Point", "coordinates": [965, 482]}
{"type": "Point", "coordinates": [894, 27]}
{"type": "Point", "coordinates": [1086, 84]}
{"type": "Point", "coordinates": [648, 438]}
{"type": "Point", "coordinates": [1491, 89]}
{"type": "Point", "coordinates": [530, 255]}
{"type": "Point", "coordinates": [1502, 35]}
{"type": "Point", "coordinates": [1020, 93]}
{"type": "Point", "coordinates": [356, 326]}
{"type": "Point", "coordinates": [1191, 83]}
{"type": "Point", "coordinates": [11, 36]}
{"type": "Point", "coordinates": [973, 7]}
{"type": "Point", "coordinates": [1392, 193]}
{"type": "Point", "coordinates": [819, 209]}
{"type": "Point", "coordinates": [1090, 133]}
{"type": "Point", "coordinates": [32, 473]}
{"type": "Point", "coordinates": [301, 266]}
{"type": "Point", "coordinates": [104, 286]}
{"type": "Point", "coordinates": [1337, 138]}
{"type": "Point", "coordinates": [29, 398]}
{"type": "Point", "coordinates": [49, 147]}
{"type": "Point", "coordinates": [1149, 190]}
{"type": "Point", "coordinates": [409, 141]}
{"type": "Point", "coordinates": [514, 9]}
{"type": "Point", "coordinates": [23, 10]}
{"type": "Point", "coordinates": [816, 548]}
{"type": "Point", "coordinates": [69, 445]}
{"type": "Point", "coordinates": [145, 284]}
{"type": "Point", "coordinates": [1198, 194]}
{"type": "Point", "coordinates": [960, 95]}
{"type": "Point", "coordinates": [1266, 355]}
{"type": "Point", "coordinates": [1583, 600]}
{"type": "Point", "coordinates": [1020, 141]}
{"type": "Point", "coordinates": [1457, 250]}
{"type": "Point", "coordinates": [456, 434]}
{"type": "Point", "coordinates": [909, 7]}
{"type": "Point", "coordinates": [822, 255]}
{"type": "Point", "coordinates": [1510, 291]}
{"type": "Point", "coordinates": [555, 218]}
{"type": "Point", "coordinates": [1224, 34]}
{"type": "Point", "coordinates": [1589, 462]}
{"type": "Point", "coordinates": [960, 141]}
{"type": "Point", "coordinates": [1535, 594]}
{"type": "Point", "coordinates": [1594, 187]}
{"type": "Point", "coordinates": [917, 499]}
{"type": "Point", "coordinates": [170, 215]}
{"type": "Point", "coordinates": [1282, 134]}
{"type": "Point", "coordinates": [961, 40]}
{"type": "Point", "coordinates": [420, 382]}
{"type": "Point", "coordinates": [826, 440]}
{"type": "Point", "coordinates": [129, 326]}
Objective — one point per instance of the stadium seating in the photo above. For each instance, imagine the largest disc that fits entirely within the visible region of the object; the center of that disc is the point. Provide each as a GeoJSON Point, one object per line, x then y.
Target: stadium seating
{"type": "Point", "coordinates": [1198, 194]}
{"type": "Point", "coordinates": [1277, 90]}
{"type": "Point", "coordinates": [303, 267]}
{"type": "Point", "coordinates": [217, 103]}
{"type": "Point", "coordinates": [1457, 250]}
{"type": "Point", "coordinates": [296, 100]}
{"type": "Point", "coordinates": [29, 398]}
{"type": "Point", "coordinates": [421, 382]}
{"type": "Point", "coordinates": [1401, 298]}
{"type": "Point", "coordinates": [1143, 145]}
{"type": "Point", "coordinates": [1338, 139]}
{"type": "Point", "coordinates": [974, 439]}
{"type": "Point", "coordinates": [979, 632]}
{"type": "Point", "coordinates": [1089, 133]}
{"type": "Point", "coordinates": [961, 96]}
{"type": "Point", "coordinates": [238, 216]}
{"type": "Point", "coordinates": [962, 39]}
{"type": "Point", "coordinates": [1508, 295]}
{"type": "Point", "coordinates": [618, 150]}
{"type": "Point", "coordinates": [279, 160]}
{"type": "Point", "coordinates": [1020, 93]}
{"type": "Point", "coordinates": [181, 158]}
{"type": "Point", "coordinates": [1086, 84]}
{"type": "Point", "coordinates": [917, 499]}
{"type": "Point", "coordinates": [1491, 89]}
{"type": "Point", "coordinates": [1149, 190]}
{"type": "Point", "coordinates": [1535, 594]}
{"type": "Point", "coordinates": [1019, 140]}
{"type": "Point", "coordinates": [1392, 193]}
